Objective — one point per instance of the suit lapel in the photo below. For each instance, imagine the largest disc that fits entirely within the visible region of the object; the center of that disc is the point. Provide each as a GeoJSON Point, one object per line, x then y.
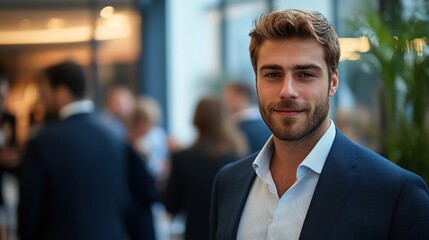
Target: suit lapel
{"type": "Point", "coordinates": [335, 182]}
{"type": "Point", "coordinates": [243, 184]}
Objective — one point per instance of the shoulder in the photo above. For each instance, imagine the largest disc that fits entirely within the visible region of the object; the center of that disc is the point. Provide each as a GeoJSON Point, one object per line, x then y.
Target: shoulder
{"type": "Point", "coordinates": [369, 164]}
{"type": "Point", "coordinates": [185, 155]}
{"type": "Point", "coordinates": [239, 169]}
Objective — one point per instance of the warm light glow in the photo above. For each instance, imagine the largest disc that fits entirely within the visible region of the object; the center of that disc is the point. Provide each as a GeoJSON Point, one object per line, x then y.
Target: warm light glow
{"type": "Point", "coordinates": [64, 35]}
{"type": "Point", "coordinates": [351, 56]}
{"type": "Point", "coordinates": [24, 23]}
{"type": "Point", "coordinates": [55, 23]}
{"type": "Point", "coordinates": [115, 27]}
{"type": "Point", "coordinates": [419, 44]}
{"type": "Point", "coordinates": [354, 44]}
{"type": "Point", "coordinates": [352, 47]}
{"type": "Point", "coordinates": [107, 12]}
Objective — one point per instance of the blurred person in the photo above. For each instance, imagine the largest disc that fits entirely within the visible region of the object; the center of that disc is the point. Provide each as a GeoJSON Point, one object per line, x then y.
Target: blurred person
{"type": "Point", "coordinates": [40, 116]}
{"type": "Point", "coordinates": [118, 107]}
{"type": "Point", "coordinates": [76, 176]}
{"type": "Point", "coordinates": [193, 169]}
{"type": "Point", "coordinates": [239, 99]}
{"type": "Point", "coordinates": [140, 220]}
{"type": "Point", "coordinates": [148, 137]}
{"type": "Point", "coordinates": [150, 141]}
{"type": "Point", "coordinates": [9, 161]}
{"type": "Point", "coordinates": [8, 142]}
{"type": "Point", "coordinates": [310, 181]}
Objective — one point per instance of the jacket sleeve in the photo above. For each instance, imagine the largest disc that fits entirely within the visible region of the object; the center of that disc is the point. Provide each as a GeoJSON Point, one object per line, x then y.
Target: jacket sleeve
{"type": "Point", "coordinates": [411, 218]}
{"type": "Point", "coordinates": [213, 210]}
{"type": "Point", "coordinates": [142, 184]}
{"type": "Point", "coordinates": [32, 192]}
{"type": "Point", "coordinates": [173, 193]}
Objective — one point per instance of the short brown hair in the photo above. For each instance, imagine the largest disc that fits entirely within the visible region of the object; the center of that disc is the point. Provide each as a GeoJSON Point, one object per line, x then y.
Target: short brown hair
{"type": "Point", "coordinates": [295, 23]}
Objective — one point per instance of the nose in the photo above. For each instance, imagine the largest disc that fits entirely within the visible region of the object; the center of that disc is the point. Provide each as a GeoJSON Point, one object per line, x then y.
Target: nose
{"type": "Point", "coordinates": [288, 87]}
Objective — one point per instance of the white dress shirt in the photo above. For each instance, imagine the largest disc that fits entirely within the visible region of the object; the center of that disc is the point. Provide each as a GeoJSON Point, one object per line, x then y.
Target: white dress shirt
{"type": "Point", "coordinates": [265, 215]}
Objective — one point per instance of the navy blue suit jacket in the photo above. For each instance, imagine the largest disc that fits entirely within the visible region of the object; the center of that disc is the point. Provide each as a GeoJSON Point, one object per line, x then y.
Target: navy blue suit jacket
{"type": "Point", "coordinates": [360, 195]}
{"type": "Point", "coordinates": [74, 183]}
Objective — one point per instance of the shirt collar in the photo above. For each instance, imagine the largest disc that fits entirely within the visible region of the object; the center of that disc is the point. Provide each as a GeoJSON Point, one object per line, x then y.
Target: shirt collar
{"type": "Point", "coordinates": [77, 107]}
{"type": "Point", "coordinates": [315, 160]}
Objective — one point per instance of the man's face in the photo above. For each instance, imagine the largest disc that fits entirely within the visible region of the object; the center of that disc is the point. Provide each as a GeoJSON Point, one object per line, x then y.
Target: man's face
{"type": "Point", "coordinates": [47, 95]}
{"type": "Point", "coordinates": [293, 87]}
{"type": "Point", "coordinates": [121, 102]}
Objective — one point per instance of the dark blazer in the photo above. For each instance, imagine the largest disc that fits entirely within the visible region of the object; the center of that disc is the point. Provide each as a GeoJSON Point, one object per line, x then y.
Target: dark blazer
{"type": "Point", "coordinates": [189, 187]}
{"type": "Point", "coordinates": [140, 222]}
{"type": "Point", "coordinates": [255, 132]}
{"type": "Point", "coordinates": [8, 132]}
{"type": "Point", "coordinates": [360, 195]}
{"type": "Point", "coordinates": [74, 183]}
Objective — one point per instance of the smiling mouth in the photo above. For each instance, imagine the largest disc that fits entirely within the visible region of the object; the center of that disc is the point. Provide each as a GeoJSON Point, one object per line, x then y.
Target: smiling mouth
{"type": "Point", "coordinates": [288, 112]}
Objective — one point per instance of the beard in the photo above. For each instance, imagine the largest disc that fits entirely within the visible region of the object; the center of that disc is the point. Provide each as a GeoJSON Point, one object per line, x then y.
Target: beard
{"type": "Point", "coordinates": [292, 128]}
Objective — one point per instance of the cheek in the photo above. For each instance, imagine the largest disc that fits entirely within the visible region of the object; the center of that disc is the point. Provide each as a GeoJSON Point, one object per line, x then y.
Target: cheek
{"type": "Point", "coordinates": [320, 98]}
{"type": "Point", "coordinates": [261, 97]}
{"type": "Point", "coordinates": [265, 92]}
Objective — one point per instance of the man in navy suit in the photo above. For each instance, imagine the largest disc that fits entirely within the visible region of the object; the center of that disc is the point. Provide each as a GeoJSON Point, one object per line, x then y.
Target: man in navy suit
{"type": "Point", "coordinates": [75, 179]}
{"type": "Point", "coordinates": [310, 181]}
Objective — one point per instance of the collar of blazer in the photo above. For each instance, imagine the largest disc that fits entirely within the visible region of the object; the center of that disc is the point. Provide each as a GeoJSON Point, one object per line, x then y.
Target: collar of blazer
{"type": "Point", "coordinates": [321, 213]}
{"type": "Point", "coordinates": [335, 182]}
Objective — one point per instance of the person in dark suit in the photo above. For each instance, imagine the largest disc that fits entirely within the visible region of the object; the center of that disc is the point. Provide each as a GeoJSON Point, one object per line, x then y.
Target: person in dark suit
{"type": "Point", "coordinates": [310, 181]}
{"type": "Point", "coordinates": [238, 97]}
{"type": "Point", "coordinates": [75, 176]}
{"type": "Point", "coordinates": [9, 159]}
{"type": "Point", "coordinates": [189, 186]}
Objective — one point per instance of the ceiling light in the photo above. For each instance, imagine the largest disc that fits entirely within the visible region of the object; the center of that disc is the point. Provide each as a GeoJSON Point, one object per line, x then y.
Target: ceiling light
{"type": "Point", "coordinates": [107, 12]}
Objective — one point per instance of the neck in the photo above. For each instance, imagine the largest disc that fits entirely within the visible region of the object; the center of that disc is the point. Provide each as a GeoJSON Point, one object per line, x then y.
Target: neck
{"type": "Point", "coordinates": [297, 150]}
{"type": "Point", "coordinates": [288, 155]}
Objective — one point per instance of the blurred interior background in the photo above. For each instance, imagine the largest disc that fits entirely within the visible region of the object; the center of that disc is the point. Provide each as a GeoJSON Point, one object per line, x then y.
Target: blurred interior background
{"type": "Point", "coordinates": [177, 51]}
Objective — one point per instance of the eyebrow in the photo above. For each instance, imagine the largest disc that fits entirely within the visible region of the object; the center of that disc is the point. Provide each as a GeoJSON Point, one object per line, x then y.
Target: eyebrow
{"type": "Point", "coordinates": [307, 66]}
{"type": "Point", "coordinates": [294, 68]}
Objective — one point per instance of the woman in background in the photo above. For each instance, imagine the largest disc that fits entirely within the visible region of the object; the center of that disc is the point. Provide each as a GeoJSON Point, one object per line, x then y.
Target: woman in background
{"type": "Point", "coordinates": [193, 170]}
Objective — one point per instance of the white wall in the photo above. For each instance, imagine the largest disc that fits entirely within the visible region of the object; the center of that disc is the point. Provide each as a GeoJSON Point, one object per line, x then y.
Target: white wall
{"type": "Point", "coordinates": [192, 54]}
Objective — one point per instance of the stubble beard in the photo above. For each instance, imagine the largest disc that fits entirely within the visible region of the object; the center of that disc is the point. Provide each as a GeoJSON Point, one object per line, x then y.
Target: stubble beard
{"type": "Point", "coordinates": [290, 129]}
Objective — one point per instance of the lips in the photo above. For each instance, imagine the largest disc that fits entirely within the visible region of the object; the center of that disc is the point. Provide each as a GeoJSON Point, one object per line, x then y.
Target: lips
{"type": "Point", "coordinates": [288, 112]}
{"type": "Point", "coordinates": [289, 108]}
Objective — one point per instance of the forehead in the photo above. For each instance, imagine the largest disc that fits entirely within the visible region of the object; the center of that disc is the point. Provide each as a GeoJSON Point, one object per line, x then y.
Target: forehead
{"type": "Point", "coordinates": [291, 52]}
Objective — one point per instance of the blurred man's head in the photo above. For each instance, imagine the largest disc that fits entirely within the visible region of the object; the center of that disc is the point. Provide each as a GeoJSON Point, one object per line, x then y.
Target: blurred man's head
{"type": "Point", "coordinates": [62, 84]}
{"type": "Point", "coordinates": [119, 101]}
{"type": "Point", "coordinates": [238, 96]}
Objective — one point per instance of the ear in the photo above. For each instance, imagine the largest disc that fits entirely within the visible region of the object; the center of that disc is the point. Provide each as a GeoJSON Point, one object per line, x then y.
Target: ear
{"type": "Point", "coordinates": [334, 83]}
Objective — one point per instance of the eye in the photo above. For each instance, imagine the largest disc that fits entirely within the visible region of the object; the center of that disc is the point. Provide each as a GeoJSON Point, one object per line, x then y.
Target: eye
{"type": "Point", "coordinates": [272, 75]}
{"type": "Point", "coordinates": [305, 75]}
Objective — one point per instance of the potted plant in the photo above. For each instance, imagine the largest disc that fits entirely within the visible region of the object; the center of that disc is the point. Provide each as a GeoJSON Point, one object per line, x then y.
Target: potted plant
{"type": "Point", "coordinates": [399, 53]}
